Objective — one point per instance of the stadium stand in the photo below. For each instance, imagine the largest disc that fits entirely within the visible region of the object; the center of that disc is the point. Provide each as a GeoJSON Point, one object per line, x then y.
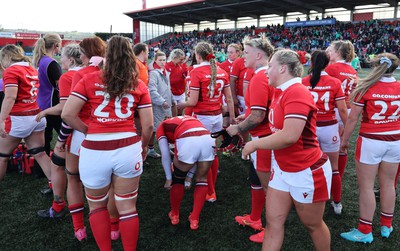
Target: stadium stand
{"type": "Point", "coordinates": [369, 37]}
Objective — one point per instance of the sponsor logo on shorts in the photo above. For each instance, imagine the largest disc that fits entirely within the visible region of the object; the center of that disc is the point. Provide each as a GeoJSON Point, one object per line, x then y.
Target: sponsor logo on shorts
{"type": "Point", "coordinates": [305, 195]}
{"type": "Point", "coordinates": [137, 166]}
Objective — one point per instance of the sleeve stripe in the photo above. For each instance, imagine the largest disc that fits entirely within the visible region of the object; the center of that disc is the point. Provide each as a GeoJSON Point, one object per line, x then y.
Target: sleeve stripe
{"type": "Point", "coordinates": [233, 76]}
{"type": "Point", "coordinates": [10, 85]}
{"type": "Point", "coordinates": [255, 107]}
{"type": "Point", "coordinates": [194, 88]}
{"type": "Point", "coordinates": [63, 98]}
{"type": "Point", "coordinates": [143, 106]}
{"type": "Point", "coordinates": [227, 85]}
{"type": "Point", "coordinates": [79, 96]}
{"type": "Point", "coordinates": [296, 116]}
{"type": "Point", "coordinates": [358, 104]}
{"type": "Point", "coordinates": [161, 137]}
{"type": "Point", "coordinates": [340, 98]}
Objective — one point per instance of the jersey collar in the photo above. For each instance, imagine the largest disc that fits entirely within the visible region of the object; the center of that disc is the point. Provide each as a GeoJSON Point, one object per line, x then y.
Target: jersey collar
{"type": "Point", "coordinates": [387, 79]}
{"type": "Point", "coordinates": [289, 83]}
{"type": "Point", "coordinates": [201, 64]}
{"type": "Point", "coordinates": [20, 64]}
{"type": "Point", "coordinates": [260, 69]}
{"type": "Point", "coordinates": [343, 62]}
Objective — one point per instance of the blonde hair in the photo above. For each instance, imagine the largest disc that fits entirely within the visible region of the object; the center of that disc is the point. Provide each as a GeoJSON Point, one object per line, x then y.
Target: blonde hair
{"type": "Point", "coordinates": [158, 54]}
{"type": "Point", "coordinates": [383, 64]}
{"type": "Point", "coordinates": [43, 44]}
{"type": "Point", "coordinates": [261, 43]}
{"type": "Point", "coordinates": [175, 53]}
{"type": "Point", "coordinates": [345, 49]}
{"type": "Point", "coordinates": [72, 51]}
{"type": "Point", "coordinates": [205, 51]}
{"type": "Point", "coordinates": [291, 59]}
{"type": "Point", "coordinates": [10, 54]}
{"type": "Point", "coordinates": [237, 47]}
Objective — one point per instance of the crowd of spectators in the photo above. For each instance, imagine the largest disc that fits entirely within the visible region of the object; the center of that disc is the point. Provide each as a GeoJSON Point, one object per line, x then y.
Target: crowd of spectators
{"type": "Point", "coordinates": [369, 37]}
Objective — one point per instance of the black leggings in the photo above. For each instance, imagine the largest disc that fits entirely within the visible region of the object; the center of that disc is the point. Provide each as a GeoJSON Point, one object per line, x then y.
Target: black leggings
{"type": "Point", "coordinates": [1, 98]}
{"type": "Point", "coordinates": [53, 123]}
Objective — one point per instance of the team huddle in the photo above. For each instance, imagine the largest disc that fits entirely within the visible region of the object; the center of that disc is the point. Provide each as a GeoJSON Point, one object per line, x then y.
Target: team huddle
{"type": "Point", "coordinates": [109, 107]}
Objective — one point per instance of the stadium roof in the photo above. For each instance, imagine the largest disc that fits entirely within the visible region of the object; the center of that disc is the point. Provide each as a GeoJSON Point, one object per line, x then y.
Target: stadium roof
{"type": "Point", "coordinates": [212, 10]}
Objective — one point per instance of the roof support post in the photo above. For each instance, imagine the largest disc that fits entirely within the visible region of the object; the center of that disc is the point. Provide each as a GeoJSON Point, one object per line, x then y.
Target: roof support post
{"type": "Point", "coordinates": [351, 15]}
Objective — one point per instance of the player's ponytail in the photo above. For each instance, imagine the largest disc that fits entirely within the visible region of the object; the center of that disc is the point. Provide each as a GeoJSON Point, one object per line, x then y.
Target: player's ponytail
{"type": "Point", "coordinates": [205, 51]}
{"type": "Point", "coordinates": [383, 64]}
{"type": "Point", "coordinates": [43, 44]}
{"type": "Point", "coordinates": [319, 60]}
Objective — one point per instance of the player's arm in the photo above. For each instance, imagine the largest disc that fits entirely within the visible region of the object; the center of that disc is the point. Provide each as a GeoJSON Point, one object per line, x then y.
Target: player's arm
{"type": "Point", "coordinates": [290, 134]}
{"type": "Point", "coordinates": [54, 110]}
{"type": "Point", "coordinates": [165, 157]}
{"type": "Point", "coordinates": [342, 109]}
{"type": "Point", "coordinates": [191, 101]}
{"type": "Point", "coordinates": [146, 121]}
{"type": "Point", "coordinates": [71, 111]}
{"type": "Point", "coordinates": [350, 125]}
{"type": "Point", "coordinates": [229, 102]}
{"type": "Point", "coordinates": [251, 122]}
{"type": "Point", "coordinates": [10, 95]}
{"type": "Point", "coordinates": [232, 82]}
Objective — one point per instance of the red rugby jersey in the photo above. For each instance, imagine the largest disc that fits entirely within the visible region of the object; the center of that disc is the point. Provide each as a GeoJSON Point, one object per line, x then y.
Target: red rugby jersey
{"type": "Point", "coordinates": [25, 78]}
{"type": "Point", "coordinates": [199, 80]}
{"type": "Point", "coordinates": [226, 66]}
{"type": "Point", "coordinates": [347, 76]}
{"type": "Point", "coordinates": [327, 91]}
{"type": "Point", "coordinates": [237, 71]}
{"type": "Point", "coordinates": [65, 83]}
{"type": "Point", "coordinates": [258, 97]}
{"type": "Point", "coordinates": [84, 115]}
{"type": "Point", "coordinates": [295, 101]}
{"type": "Point", "coordinates": [173, 128]}
{"type": "Point", "coordinates": [177, 75]}
{"type": "Point", "coordinates": [381, 107]}
{"type": "Point", "coordinates": [115, 115]}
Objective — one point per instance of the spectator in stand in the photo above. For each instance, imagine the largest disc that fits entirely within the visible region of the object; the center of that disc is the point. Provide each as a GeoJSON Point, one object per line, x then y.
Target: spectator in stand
{"type": "Point", "coordinates": [111, 141]}
{"type": "Point", "coordinates": [220, 56]}
{"type": "Point", "coordinates": [19, 109]}
{"type": "Point", "coordinates": [70, 62]}
{"type": "Point", "coordinates": [378, 146]}
{"type": "Point", "coordinates": [48, 95]}
{"type": "Point", "coordinates": [178, 70]}
{"type": "Point", "coordinates": [355, 63]}
{"type": "Point", "coordinates": [342, 52]}
{"type": "Point", "coordinates": [163, 103]}
{"type": "Point", "coordinates": [207, 84]}
{"type": "Point", "coordinates": [301, 175]}
{"type": "Point", "coordinates": [328, 94]}
{"type": "Point", "coordinates": [259, 94]}
{"type": "Point", "coordinates": [194, 146]}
